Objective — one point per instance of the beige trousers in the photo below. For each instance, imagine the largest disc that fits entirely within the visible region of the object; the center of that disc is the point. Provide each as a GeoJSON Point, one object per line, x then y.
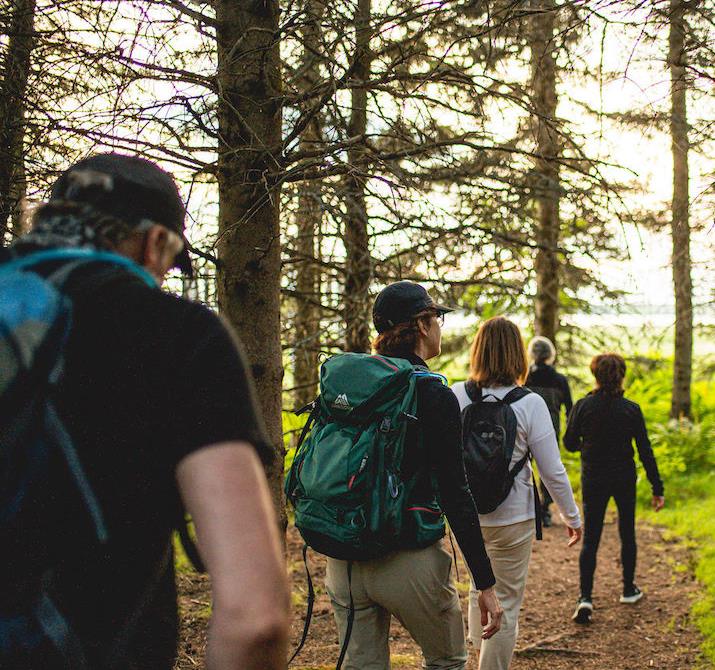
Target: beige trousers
{"type": "Point", "coordinates": [509, 549]}
{"type": "Point", "coordinates": [413, 585]}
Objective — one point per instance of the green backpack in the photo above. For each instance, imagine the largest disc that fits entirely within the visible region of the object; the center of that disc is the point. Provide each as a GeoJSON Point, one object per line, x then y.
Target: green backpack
{"type": "Point", "coordinates": [346, 483]}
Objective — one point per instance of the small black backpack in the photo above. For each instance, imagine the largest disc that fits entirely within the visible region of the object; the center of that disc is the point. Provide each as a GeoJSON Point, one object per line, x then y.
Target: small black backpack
{"type": "Point", "coordinates": [488, 438]}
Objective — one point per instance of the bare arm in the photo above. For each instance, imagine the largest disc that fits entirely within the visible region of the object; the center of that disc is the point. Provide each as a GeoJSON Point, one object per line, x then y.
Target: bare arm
{"type": "Point", "coordinates": [224, 489]}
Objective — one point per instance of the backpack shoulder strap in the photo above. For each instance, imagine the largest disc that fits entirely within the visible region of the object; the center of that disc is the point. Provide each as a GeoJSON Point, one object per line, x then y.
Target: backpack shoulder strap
{"type": "Point", "coordinates": [420, 371]}
{"type": "Point", "coordinates": [474, 392]}
{"type": "Point", "coordinates": [75, 258]}
{"type": "Point", "coordinates": [515, 394]}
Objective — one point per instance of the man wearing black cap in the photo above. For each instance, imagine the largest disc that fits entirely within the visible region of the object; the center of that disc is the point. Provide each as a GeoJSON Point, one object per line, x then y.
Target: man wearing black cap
{"type": "Point", "coordinates": [157, 400]}
{"type": "Point", "coordinates": [414, 583]}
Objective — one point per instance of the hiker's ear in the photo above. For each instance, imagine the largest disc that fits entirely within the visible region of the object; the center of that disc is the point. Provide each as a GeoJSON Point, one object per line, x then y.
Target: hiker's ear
{"type": "Point", "coordinates": [159, 250]}
{"type": "Point", "coordinates": [423, 326]}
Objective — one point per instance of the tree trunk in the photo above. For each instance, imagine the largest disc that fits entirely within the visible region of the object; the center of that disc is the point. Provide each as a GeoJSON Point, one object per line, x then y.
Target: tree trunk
{"type": "Point", "coordinates": [18, 195]}
{"type": "Point", "coordinates": [13, 88]}
{"type": "Point", "coordinates": [546, 167]}
{"type": "Point", "coordinates": [682, 283]}
{"type": "Point", "coordinates": [358, 265]}
{"type": "Point", "coordinates": [309, 218]}
{"type": "Point", "coordinates": [249, 119]}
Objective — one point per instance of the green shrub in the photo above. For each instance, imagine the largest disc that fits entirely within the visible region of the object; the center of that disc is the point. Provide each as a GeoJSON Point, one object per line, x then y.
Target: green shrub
{"type": "Point", "coordinates": [683, 449]}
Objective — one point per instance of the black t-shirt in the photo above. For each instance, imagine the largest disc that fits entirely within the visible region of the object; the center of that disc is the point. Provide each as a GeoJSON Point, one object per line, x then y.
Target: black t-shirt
{"type": "Point", "coordinates": [149, 379]}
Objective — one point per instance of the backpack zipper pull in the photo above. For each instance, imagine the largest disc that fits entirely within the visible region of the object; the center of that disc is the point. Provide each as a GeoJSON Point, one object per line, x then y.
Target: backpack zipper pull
{"type": "Point", "coordinates": [363, 463]}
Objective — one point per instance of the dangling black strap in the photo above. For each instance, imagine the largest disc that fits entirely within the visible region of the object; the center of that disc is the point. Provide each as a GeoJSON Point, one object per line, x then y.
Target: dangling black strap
{"type": "Point", "coordinates": [537, 504]}
{"type": "Point", "coordinates": [351, 619]}
{"type": "Point", "coordinates": [311, 601]}
{"type": "Point", "coordinates": [537, 498]}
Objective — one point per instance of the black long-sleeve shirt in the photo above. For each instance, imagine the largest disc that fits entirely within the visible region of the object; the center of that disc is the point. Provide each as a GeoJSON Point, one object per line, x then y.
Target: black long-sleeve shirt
{"type": "Point", "coordinates": [603, 427]}
{"type": "Point", "coordinates": [439, 459]}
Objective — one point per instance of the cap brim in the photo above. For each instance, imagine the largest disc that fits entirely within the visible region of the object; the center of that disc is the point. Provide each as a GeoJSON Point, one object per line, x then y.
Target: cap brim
{"type": "Point", "coordinates": [183, 260]}
{"type": "Point", "coordinates": [442, 309]}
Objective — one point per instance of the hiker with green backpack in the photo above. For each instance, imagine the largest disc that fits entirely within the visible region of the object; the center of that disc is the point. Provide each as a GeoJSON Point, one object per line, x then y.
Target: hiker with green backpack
{"type": "Point", "coordinates": [504, 426]}
{"type": "Point", "coordinates": [379, 466]}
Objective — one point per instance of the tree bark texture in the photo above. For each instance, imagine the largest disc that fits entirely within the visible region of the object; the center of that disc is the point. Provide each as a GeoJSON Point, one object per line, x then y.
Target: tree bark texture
{"type": "Point", "coordinates": [358, 263]}
{"type": "Point", "coordinates": [249, 119]}
{"type": "Point", "coordinates": [309, 218]}
{"type": "Point", "coordinates": [13, 89]}
{"type": "Point", "coordinates": [546, 167]}
{"type": "Point", "coordinates": [682, 283]}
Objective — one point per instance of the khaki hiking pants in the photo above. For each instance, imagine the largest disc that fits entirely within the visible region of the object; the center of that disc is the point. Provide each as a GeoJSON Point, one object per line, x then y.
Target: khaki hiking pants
{"type": "Point", "coordinates": [509, 549]}
{"type": "Point", "coordinates": [415, 586]}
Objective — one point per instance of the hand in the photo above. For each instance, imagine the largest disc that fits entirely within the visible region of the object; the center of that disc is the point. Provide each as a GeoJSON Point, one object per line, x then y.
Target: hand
{"type": "Point", "coordinates": [492, 612]}
{"type": "Point", "coordinates": [574, 535]}
{"type": "Point", "coordinates": [658, 503]}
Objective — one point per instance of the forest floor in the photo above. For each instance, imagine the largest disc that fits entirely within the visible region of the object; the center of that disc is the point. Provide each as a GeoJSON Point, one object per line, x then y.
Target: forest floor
{"type": "Point", "coordinates": [654, 633]}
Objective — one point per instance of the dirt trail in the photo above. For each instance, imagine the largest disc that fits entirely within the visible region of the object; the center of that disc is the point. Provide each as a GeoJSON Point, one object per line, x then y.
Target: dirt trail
{"type": "Point", "coordinates": [654, 633]}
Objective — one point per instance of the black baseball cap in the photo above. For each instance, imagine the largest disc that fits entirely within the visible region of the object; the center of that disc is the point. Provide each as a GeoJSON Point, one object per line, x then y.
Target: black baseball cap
{"type": "Point", "coordinates": [401, 302]}
{"type": "Point", "coordinates": [129, 188]}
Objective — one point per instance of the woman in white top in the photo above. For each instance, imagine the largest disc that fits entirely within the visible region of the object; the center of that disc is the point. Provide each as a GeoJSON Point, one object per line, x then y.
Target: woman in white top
{"type": "Point", "coordinates": [498, 363]}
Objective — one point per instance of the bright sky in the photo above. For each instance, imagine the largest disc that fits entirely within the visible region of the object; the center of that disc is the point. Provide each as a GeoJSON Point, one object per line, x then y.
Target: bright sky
{"type": "Point", "coordinates": [646, 152]}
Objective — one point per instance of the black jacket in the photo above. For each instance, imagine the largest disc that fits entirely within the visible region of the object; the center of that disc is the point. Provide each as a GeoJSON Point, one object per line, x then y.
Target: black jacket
{"type": "Point", "coordinates": [553, 387]}
{"type": "Point", "coordinates": [438, 457]}
{"type": "Point", "coordinates": [602, 427]}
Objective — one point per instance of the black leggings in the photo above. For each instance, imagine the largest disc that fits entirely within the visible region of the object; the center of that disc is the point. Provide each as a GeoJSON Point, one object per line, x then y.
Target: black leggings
{"type": "Point", "coordinates": [598, 488]}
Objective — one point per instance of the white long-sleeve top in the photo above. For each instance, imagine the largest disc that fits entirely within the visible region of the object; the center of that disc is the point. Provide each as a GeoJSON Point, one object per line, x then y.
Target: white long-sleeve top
{"type": "Point", "coordinates": [535, 432]}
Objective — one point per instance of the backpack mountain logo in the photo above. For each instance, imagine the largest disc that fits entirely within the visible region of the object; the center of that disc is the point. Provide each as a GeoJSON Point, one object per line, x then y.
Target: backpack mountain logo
{"type": "Point", "coordinates": [342, 402]}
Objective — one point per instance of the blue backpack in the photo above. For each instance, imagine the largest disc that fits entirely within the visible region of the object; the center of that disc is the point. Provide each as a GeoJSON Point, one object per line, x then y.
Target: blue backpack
{"type": "Point", "coordinates": [35, 322]}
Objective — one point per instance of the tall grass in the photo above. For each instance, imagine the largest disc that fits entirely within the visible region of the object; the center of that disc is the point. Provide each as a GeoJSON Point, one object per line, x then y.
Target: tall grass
{"type": "Point", "coordinates": [685, 453]}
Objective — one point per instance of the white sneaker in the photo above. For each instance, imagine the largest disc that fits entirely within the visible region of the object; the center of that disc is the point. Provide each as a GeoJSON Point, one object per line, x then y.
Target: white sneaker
{"type": "Point", "coordinates": [631, 596]}
{"type": "Point", "coordinates": [584, 610]}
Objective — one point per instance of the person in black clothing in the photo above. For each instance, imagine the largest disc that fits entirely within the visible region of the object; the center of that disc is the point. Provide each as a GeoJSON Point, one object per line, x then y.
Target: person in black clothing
{"type": "Point", "coordinates": [603, 426]}
{"type": "Point", "coordinates": [553, 387]}
{"type": "Point", "coordinates": [414, 583]}
{"type": "Point", "coordinates": [159, 403]}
